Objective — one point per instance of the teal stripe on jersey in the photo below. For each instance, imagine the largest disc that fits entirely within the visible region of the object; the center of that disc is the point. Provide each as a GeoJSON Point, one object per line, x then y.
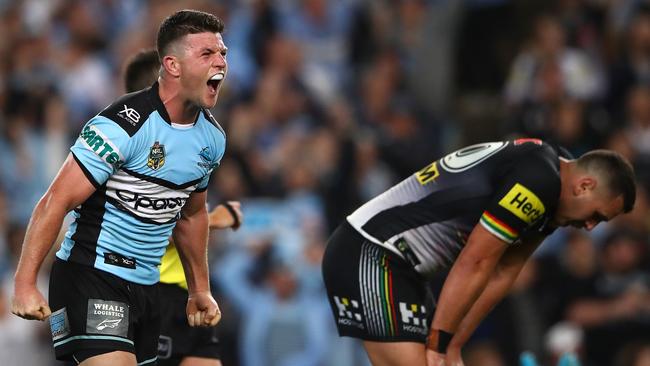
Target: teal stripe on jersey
{"type": "Point", "coordinates": [98, 337]}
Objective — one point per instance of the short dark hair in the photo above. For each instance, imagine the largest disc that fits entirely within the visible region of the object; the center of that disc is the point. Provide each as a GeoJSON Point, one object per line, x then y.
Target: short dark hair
{"type": "Point", "coordinates": [185, 22]}
{"type": "Point", "coordinates": [617, 172]}
{"type": "Point", "coordinates": [141, 70]}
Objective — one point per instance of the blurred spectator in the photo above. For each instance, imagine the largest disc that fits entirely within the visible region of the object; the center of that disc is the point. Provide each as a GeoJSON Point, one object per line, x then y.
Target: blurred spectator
{"type": "Point", "coordinates": [282, 325]}
{"type": "Point", "coordinates": [632, 64]}
{"type": "Point", "coordinates": [550, 70]}
{"type": "Point", "coordinates": [483, 354]}
{"type": "Point", "coordinates": [320, 28]}
{"type": "Point", "coordinates": [638, 119]}
{"type": "Point", "coordinates": [634, 354]}
{"type": "Point", "coordinates": [23, 159]}
{"type": "Point", "coordinates": [563, 339]}
{"type": "Point", "coordinates": [616, 308]}
{"type": "Point", "coordinates": [429, 71]}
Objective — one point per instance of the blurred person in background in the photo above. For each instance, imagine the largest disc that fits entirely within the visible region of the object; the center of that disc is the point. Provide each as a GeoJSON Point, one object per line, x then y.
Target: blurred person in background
{"type": "Point", "coordinates": [283, 324]}
{"type": "Point", "coordinates": [319, 27]}
{"type": "Point", "coordinates": [179, 344]}
{"type": "Point", "coordinates": [637, 127]}
{"type": "Point", "coordinates": [483, 354]}
{"type": "Point", "coordinates": [634, 354]}
{"type": "Point", "coordinates": [614, 307]}
{"type": "Point", "coordinates": [549, 70]}
{"type": "Point", "coordinates": [631, 67]}
{"type": "Point", "coordinates": [480, 211]}
{"type": "Point", "coordinates": [544, 74]}
{"type": "Point", "coordinates": [569, 274]}
{"type": "Point", "coordinates": [131, 193]}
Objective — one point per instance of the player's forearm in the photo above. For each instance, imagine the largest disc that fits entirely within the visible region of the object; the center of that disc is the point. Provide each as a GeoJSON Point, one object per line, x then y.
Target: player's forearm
{"type": "Point", "coordinates": [42, 231]}
{"type": "Point", "coordinates": [496, 289]}
{"type": "Point", "coordinates": [191, 239]}
{"type": "Point", "coordinates": [464, 284]}
{"type": "Point", "coordinates": [500, 282]}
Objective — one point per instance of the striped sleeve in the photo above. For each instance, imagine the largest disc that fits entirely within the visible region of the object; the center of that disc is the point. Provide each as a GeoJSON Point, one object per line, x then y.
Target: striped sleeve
{"type": "Point", "coordinates": [498, 228]}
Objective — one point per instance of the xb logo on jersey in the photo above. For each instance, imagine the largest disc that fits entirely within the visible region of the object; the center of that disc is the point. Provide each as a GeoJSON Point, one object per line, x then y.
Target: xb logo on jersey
{"type": "Point", "coordinates": [130, 115]}
{"type": "Point", "coordinates": [156, 156]}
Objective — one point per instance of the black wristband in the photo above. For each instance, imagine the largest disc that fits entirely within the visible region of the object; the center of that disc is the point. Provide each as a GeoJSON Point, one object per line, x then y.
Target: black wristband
{"type": "Point", "coordinates": [232, 212]}
{"type": "Point", "coordinates": [443, 341]}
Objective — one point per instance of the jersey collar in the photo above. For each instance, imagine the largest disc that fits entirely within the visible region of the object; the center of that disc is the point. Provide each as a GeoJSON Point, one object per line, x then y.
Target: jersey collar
{"type": "Point", "coordinates": [157, 103]}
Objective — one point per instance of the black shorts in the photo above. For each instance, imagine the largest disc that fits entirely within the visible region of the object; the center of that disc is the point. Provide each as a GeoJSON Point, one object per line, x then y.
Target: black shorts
{"type": "Point", "coordinates": [177, 339]}
{"type": "Point", "coordinates": [95, 312]}
{"type": "Point", "coordinates": [375, 295]}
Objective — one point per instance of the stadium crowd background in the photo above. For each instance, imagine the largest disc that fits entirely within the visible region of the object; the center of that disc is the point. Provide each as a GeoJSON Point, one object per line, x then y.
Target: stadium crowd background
{"type": "Point", "coordinates": [328, 103]}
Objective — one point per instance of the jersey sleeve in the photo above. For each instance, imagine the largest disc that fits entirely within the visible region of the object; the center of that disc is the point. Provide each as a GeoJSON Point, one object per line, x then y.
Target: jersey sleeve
{"type": "Point", "coordinates": [102, 147]}
{"type": "Point", "coordinates": [527, 195]}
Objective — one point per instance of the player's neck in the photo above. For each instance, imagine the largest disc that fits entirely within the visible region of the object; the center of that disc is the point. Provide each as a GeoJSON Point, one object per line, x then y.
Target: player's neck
{"type": "Point", "coordinates": [179, 109]}
{"type": "Point", "coordinates": [567, 171]}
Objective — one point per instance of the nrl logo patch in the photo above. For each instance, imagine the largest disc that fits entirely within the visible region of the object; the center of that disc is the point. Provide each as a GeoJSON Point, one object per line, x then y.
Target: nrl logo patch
{"type": "Point", "coordinates": [156, 156]}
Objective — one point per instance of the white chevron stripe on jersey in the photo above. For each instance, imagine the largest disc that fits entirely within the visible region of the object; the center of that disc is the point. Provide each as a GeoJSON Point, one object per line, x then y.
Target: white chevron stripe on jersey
{"type": "Point", "coordinates": [146, 199]}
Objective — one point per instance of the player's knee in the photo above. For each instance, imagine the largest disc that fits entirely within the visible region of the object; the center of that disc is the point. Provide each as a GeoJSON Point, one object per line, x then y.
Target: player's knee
{"type": "Point", "coordinates": [395, 353]}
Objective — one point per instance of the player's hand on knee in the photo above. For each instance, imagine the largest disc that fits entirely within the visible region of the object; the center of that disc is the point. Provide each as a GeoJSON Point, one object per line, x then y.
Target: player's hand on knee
{"type": "Point", "coordinates": [435, 359]}
{"type": "Point", "coordinates": [202, 310]}
{"type": "Point", "coordinates": [29, 303]}
{"type": "Point", "coordinates": [454, 357]}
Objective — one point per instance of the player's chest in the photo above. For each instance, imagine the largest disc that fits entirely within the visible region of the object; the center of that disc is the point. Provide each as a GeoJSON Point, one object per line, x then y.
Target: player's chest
{"type": "Point", "coordinates": [176, 159]}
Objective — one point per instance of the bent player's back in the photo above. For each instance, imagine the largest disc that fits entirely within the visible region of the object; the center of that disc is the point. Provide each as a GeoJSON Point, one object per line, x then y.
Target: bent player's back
{"type": "Point", "coordinates": [510, 187]}
{"type": "Point", "coordinates": [144, 168]}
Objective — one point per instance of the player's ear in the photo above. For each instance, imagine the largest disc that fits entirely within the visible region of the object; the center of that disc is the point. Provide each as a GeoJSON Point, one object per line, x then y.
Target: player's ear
{"type": "Point", "coordinates": [585, 184]}
{"type": "Point", "coordinates": [171, 65]}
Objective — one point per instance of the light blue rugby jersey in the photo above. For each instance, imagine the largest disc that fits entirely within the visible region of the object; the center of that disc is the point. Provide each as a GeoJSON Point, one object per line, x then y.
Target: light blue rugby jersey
{"type": "Point", "coordinates": [144, 170]}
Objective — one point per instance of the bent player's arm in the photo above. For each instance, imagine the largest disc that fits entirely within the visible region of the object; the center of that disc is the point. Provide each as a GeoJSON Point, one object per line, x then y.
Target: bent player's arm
{"type": "Point", "coordinates": [69, 189]}
{"type": "Point", "coordinates": [499, 284]}
{"type": "Point", "coordinates": [191, 238]}
{"type": "Point", "coordinates": [467, 278]}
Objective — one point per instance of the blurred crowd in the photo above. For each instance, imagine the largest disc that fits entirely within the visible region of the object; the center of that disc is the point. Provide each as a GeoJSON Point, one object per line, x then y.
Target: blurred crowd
{"type": "Point", "coordinates": [328, 103]}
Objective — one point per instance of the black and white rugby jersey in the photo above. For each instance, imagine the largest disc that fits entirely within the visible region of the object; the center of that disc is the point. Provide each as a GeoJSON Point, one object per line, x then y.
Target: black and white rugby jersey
{"type": "Point", "coordinates": [509, 187]}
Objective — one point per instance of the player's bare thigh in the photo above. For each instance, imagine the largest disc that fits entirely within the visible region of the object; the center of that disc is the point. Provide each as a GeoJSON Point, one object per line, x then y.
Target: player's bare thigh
{"type": "Point", "coordinates": [199, 361]}
{"type": "Point", "coordinates": [395, 353]}
{"type": "Point", "coordinates": [115, 358]}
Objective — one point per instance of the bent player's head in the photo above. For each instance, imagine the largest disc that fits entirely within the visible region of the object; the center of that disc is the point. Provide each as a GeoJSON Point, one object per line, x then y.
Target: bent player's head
{"type": "Point", "coordinates": [193, 55]}
{"type": "Point", "coordinates": [141, 70]}
{"type": "Point", "coordinates": [600, 187]}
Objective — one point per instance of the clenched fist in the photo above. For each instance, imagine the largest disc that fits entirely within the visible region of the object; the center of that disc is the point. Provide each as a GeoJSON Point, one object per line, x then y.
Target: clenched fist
{"type": "Point", "coordinates": [29, 303]}
{"type": "Point", "coordinates": [202, 310]}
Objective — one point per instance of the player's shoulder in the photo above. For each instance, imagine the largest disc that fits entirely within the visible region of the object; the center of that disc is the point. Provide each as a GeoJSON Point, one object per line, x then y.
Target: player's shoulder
{"type": "Point", "coordinates": [539, 154]}
{"type": "Point", "coordinates": [130, 111]}
{"type": "Point", "coordinates": [211, 121]}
